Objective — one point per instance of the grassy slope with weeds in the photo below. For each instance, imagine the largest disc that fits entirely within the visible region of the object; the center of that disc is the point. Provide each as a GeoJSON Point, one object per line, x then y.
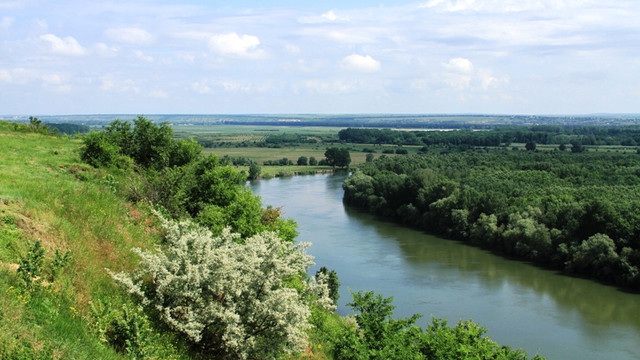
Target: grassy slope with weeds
{"type": "Point", "coordinates": [48, 196]}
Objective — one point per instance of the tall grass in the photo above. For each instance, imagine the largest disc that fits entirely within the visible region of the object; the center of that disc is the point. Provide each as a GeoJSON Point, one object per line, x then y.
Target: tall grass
{"type": "Point", "coordinates": [48, 195]}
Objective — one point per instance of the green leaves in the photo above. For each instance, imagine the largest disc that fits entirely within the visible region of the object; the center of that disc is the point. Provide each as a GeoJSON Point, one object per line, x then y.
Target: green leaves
{"type": "Point", "coordinates": [30, 269]}
{"type": "Point", "coordinates": [149, 145]}
{"type": "Point", "coordinates": [339, 157]}
{"type": "Point", "coordinates": [379, 336]}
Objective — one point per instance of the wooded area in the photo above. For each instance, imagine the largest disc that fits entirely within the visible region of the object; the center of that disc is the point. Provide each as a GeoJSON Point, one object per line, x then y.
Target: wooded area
{"type": "Point", "coordinates": [579, 212]}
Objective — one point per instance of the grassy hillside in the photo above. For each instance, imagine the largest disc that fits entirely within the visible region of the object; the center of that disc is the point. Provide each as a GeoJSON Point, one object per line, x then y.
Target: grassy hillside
{"type": "Point", "coordinates": [47, 195]}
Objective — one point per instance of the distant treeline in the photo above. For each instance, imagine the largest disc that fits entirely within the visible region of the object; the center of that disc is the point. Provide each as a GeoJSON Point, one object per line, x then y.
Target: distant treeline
{"type": "Point", "coordinates": [543, 134]}
{"type": "Point", "coordinates": [38, 126]}
{"type": "Point", "coordinates": [68, 128]}
{"type": "Point", "coordinates": [576, 212]}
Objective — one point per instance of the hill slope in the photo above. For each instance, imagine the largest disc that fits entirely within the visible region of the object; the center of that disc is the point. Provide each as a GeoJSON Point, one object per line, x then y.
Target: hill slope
{"type": "Point", "coordinates": [48, 196]}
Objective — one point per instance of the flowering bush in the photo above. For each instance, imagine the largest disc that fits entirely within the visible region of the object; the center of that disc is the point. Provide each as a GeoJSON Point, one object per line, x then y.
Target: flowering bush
{"type": "Point", "coordinates": [226, 295]}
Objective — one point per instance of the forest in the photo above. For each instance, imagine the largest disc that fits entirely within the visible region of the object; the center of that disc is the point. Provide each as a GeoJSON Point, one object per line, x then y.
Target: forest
{"type": "Point", "coordinates": [577, 212]}
{"type": "Point", "coordinates": [500, 135]}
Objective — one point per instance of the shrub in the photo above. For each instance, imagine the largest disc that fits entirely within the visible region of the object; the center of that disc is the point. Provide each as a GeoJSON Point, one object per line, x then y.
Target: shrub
{"type": "Point", "coordinates": [229, 299]}
{"type": "Point", "coordinates": [98, 151]}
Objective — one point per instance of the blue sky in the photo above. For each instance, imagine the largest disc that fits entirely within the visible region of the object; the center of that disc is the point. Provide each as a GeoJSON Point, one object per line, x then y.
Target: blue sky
{"type": "Point", "coordinates": [285, 56]}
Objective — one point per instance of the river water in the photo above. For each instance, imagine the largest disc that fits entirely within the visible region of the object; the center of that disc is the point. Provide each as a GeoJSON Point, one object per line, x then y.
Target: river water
{"type": "Point", "coordinates": [522, 306]}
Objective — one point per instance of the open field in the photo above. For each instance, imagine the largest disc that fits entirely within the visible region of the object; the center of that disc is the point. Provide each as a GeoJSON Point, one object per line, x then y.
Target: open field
{"type": "Point", "coordinates": [254, 130]}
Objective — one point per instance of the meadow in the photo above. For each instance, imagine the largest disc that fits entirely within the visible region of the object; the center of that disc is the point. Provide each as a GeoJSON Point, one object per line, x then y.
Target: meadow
{"type": "Point", "coordinates": [237, 141]}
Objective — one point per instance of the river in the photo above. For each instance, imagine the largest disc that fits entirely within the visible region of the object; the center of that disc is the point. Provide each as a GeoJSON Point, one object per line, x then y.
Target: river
{"type": "Point", "coordinates": [521, 305]}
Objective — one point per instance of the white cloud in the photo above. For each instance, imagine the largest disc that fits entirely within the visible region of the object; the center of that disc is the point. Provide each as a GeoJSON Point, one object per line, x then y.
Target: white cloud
{"type": "Point", "coordinates": [129, 35]}
{"type": "Point", "coordinates": [200, 87]}
{"type": "Point", "coordinates": [6, 22]}
{"type": "Point", "coordinates": [351, 35]}
{"type": "Point", "coordinates": [66, 46]}
{"type": "Point", "coordinates": [457, 81]}
{"type": "Point", "coordinates": [243, 86]}
{"type": "Point", "coordinates": [461, 75]}
{"type": "Point", "coordinates": [495, 6]}
{"type": "Point", "coordinates": [328, 17]}
{"type": "Point", "coordinates": [105, 50]}
{"type": "Point", "coordinates": [56, 82]}
{"type": "Point", "coordinates": [459, 65]}
{"type": "Point", "coordinates": [188, 58]}
{"type": "Point", "coordinates": [487, 80]}
{"type": "Point", "coordinates": [331, 86]}
{"type": "Point", "coordinates": [5, 76]}
{"type": "Point", "coordinates": [110, 83]}
{"type": "Point", "coordinates": [159, 94]}
{"type": "Point", "coordinates": [361, 63]}
{"type": "Point", "coordinates": [231, 86]}
{"type": "Point", "coordinates": [18, 76]}
{"type": "Point", "coordinates": [233, 44]}
{"type": "Point", "coordinates": [140, 55]}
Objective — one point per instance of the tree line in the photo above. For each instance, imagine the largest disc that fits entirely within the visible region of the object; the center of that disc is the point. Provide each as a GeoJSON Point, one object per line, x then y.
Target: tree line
{"type": "Point", "coordinates": [504, 135]}
{"type": "Point", "coordinates": [578, 212]}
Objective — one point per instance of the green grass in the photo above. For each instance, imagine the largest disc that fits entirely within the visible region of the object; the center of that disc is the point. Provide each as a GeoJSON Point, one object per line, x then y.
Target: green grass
{"type": "Point", "coordinates": [48, 195]}
{"type": "Point", "coordinates": [262, 154]}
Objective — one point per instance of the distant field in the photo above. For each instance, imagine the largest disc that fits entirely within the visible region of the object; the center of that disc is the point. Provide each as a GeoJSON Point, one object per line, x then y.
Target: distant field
{"type": "Point", "coordinates": [251, 131]}
{"type": "Point", "coordinates": [228, 139]}
{"type": "Point", "coordinates": [260, 155]}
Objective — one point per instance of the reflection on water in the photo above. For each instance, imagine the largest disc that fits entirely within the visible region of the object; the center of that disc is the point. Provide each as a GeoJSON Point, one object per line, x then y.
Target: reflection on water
{"type": "Point", "coordinates": [521, 305]}
{"type": "Point", "coordinates": [598, 304]}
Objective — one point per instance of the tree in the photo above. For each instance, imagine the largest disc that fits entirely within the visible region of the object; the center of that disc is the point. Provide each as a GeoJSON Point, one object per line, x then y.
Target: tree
{"type": "Point", "coordinates": [339, 157]}
{"type": "Point", "coordinates": [151, 143]}
{"type": "Point", "coordinates": [332, 282]}
{"type": "Point", "coordinates": [302, 161]}
{"type": "Point", "coordinates": [229, 299]}
{"type": "Point", "coordinates": [595, 256]}
{"type": "Point", "coordinates": [98, 151]}
{"type": "Point", "coordinates": [378, 335]}
{"type": "Point", "coordinates": [530, 146]}
{"type": "Point", "coordinates": [369, 157]}
{"type": "Point", "coordinates": [254, 170]}
{"type": "Point", "coordinates": [577, 147]}
{"type": "Point", "coordinates": [313, 161]}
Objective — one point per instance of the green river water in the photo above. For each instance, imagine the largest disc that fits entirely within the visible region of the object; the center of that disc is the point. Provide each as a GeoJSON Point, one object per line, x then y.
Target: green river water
{"type": "Point", "coordinates": [522, 306]}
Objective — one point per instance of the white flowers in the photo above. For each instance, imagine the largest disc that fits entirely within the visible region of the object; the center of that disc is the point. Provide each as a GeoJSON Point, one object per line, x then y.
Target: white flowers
{"type": "Point", "coordinates": [230, 298]}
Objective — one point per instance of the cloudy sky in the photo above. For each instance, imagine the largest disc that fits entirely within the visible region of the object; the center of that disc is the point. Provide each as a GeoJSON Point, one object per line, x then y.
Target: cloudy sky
{"type": "Point", "coordinates": [349, 56]}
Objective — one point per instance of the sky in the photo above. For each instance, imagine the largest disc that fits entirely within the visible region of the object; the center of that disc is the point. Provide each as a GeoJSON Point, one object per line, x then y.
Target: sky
{"type": "Point", "coordinates": [328, 57]}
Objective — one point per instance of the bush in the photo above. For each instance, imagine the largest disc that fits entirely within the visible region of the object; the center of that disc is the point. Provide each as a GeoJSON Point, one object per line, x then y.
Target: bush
{"type": "Point", "coordinates": [229, 299]}
{"type": "Point", "coordinates": [379, 336]}
{"type": "Point", "coordinates": [98, 151]}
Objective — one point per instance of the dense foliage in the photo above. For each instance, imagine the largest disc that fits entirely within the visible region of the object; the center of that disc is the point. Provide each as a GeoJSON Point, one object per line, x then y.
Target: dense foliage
{"type": "Point", "coordinates": [579, 212]}
{"type": "Point", "coordinates": [544, 134]}
{"type": "Point", "coordinates": [375, 334]}
{"type": "Point", "coordinates": [339, 157]}
{"type": "Point", "coordinates": [228, 297]}
{"type": "Point", "coordinates": [178, 178]}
